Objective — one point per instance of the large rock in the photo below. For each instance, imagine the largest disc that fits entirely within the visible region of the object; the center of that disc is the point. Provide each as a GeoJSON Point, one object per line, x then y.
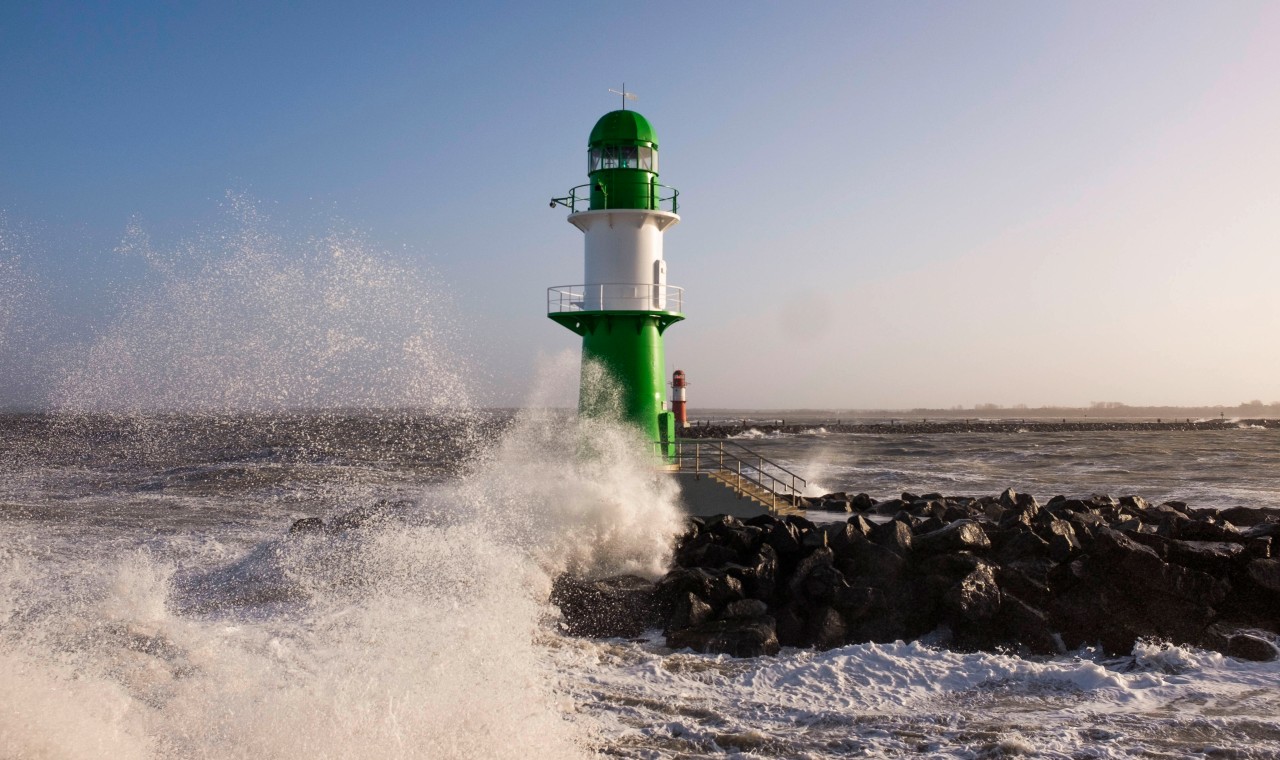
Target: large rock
{"type": "Point", "coordinates": [1249, 517]}
{"type": "Point", "coordinates": [1015, 624]}
{"type": "Point", "coordinates": [974, 600]}
{"type": "Point", "coordinates": [894, 535]}
{"type": "Point", "coordinates": [1063, 544]}
{"type": "Point", "coordinates": [826, 628]}
{"type": "Point", "coordinates": [1247, 646]}
{"type": "Point", "coordinates": [1207, 530]}
{"type": "Point", "coordinates": [962, 535]}
{"type": "Point", "coordinates": [760, 576]}
{"type": "Point", "coordinates": [1123, 591]}
{"type": "Point", "coordinates": [1214, 557]}
{"type": "Point", "coordinates": [1021, 544]}
{"type": "Point", "coordinates": [842, 537]}
{"type": "Point", "coordinates": [307, 525]}
{"type": "Point", "coordinates": [715, 587]}
{"type": "Point", "coordinates": [737, 637]}
{"type": "Point", "coordinates": [1265, 574]}
{"type": "Point", "coordinates": [622, 606]}
{"type": "Point", "coordinates": [687, 610]}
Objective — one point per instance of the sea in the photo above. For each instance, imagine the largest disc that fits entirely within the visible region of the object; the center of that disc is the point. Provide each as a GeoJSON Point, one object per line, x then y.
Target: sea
{"type": "Point", "coordinates": [255, 372]}
{"type": "Point", "coordinates": [153, 603]}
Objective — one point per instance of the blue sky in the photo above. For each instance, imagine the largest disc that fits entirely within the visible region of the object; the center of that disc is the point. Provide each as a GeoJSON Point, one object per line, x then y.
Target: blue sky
{"type": "Point", "coordinates": [920, 204]}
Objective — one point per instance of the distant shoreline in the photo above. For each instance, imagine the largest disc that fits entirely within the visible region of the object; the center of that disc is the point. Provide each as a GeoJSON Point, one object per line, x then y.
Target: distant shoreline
{"type": "Point", "coordinates": [707, 429]}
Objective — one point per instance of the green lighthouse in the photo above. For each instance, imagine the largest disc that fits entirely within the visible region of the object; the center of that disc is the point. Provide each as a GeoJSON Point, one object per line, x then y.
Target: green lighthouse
{"type": "Point", "coordinates": [624, 305]}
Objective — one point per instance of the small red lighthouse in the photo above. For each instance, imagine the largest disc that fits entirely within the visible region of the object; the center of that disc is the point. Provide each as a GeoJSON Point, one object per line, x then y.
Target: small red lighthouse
{"type": "Point", "coordinates": [678, 384]}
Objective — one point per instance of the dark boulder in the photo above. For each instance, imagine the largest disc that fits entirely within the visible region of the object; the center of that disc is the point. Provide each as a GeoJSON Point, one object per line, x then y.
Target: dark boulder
{"type": "Point", "coordinates": [706, 553]}
{"type": "Point", "coordinates": [1063, 544]}
{"type": "Point", "coordinates": [736, 637]}
{"type": "Point", "coordinates": [861, 525]}
{"type": "Point", "coordinates": [894, 535]}
{"type": "Point", "coordinates": [1134, 502]}
{"type": "Point", "coordinates": [855, 602]}
{"type": "Point", "coordinates": [821, 563]}
{"type": "Point", "coordinates": [1260, 548]}
{"type": "Point", "coordinates": [928, 525]}
{"type": "Point", "coordinates": [789, 626]}
{"type": "Point", "coordinates": [825, 628]}
{"type": "Point", "coordinates": [1030, 578]}
{"type": "Point", "coordinates": [822, 584]}
{"type": "Point", "coordinates": [1262, 530]}
{"type": "Point", "coordinates": [1123, 591]}
{"type": "Point", "coordinates": [622, 606]}
{"type": "Point", "coordinates": [1250, 516]}
{"type": "Point", "coordinates": [1025, 514]}
{"type": "Point", "coordinates": [890, 507]}
{"type": "Point", "coordinates": [1016, 624]}
{"type": "Point", "coordinates": [745, 608]}
{"type": "Point", "coordinates": [1247, 646]}
{"type": "Point", "coordinates": [974, 600]}
{"type": "Point", "coordinates": [1215, 557]}
{"type": "Point", "coordinates": [835, 505]}
{"type": "Point", "coordinates": [715, 587]}
{"type": "Point", "coordinates": [307, 525]}
{"type": "Point", "coordinates": [1020, 544]}
{"type": "Point", "coordinates": [1207, 530]}
{"type": "Point", "coordinates": [1265, 575]}
{"type": "Point", "coordinates": [760, 576]}
{"type": "Point", "coordinates": [784, 538]}
{"type": "Point", "coordinates": [811, 540]}
{"type": "Point", "coordinates": [687, 610]}
{"type": "Point", "coordinates": [962, 535]}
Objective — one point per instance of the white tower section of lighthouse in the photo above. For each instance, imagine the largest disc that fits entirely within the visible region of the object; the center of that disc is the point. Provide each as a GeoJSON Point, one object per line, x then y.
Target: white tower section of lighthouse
{"type": "Point", "coordinates": [624, 268]}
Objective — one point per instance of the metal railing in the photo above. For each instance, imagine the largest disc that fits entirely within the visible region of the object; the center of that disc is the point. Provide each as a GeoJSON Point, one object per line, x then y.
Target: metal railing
{"type": "Point", "coordinates": [738, 466]}
{"type": "Point", "coordinates": [615, 296]}
{"type": "Point", "coordinates": [659, 195]}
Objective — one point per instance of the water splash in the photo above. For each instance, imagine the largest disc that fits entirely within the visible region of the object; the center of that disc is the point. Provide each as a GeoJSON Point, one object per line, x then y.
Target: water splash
{"type": "Point", "coordinates": [580, 494]}
{"type": "Point", "coordinates": [428, 635]}
{"type": "Point", "coordinates": [21, 365]}
{"type": "Point", "coordinates": [251, 320]}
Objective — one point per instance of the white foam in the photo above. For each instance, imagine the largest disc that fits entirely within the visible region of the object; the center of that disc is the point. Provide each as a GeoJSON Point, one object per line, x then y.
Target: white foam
{"type": "Point", "coordinates": [909, 698]}
{"type": "Point", "coordinates": [426, 638]}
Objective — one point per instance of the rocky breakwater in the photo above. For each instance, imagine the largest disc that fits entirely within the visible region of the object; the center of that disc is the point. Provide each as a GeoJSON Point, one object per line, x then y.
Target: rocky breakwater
{"type": "Point", "coordinates": [992, 573]}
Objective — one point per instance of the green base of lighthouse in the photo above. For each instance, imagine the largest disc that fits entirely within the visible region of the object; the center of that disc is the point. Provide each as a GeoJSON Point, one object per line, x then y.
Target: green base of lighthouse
{"type": "Point", "coordinates": [628, 345]}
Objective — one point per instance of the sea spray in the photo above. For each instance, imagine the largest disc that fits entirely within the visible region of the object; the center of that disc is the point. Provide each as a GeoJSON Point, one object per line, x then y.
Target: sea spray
{"type": "Point", "coordinates": [581, 495]}
{"type": "Point", "coordinates": [250, 319]}
{"type": "Point", "coordinates": [431, 652]}
{"type": "Point", "coordinates": [422, 635]}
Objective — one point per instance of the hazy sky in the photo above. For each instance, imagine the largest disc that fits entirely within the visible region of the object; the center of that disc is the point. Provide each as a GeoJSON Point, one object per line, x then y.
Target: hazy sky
{"type": "Point", "coordinates": [883, 205]}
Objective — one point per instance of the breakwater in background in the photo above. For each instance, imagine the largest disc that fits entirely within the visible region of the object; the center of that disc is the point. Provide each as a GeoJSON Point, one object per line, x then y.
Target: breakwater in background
{"type": "Point", "coordinates": [721, 428]}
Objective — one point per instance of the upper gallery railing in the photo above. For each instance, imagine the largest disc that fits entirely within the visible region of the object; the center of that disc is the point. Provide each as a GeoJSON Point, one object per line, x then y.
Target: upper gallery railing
{"type": "Point", "coordinates": [661, 198]}
{"type": "Point", "coordinates": [615, 296]}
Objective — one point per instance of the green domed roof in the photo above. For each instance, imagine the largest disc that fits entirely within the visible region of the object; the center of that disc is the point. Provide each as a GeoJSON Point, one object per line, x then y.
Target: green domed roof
{"type": "Point", "coordinates": [623, 128]}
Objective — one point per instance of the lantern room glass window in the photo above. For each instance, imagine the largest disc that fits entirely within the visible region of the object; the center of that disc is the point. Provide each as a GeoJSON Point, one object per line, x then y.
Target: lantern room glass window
{"type": "Point", "coordinates": [622, 157]}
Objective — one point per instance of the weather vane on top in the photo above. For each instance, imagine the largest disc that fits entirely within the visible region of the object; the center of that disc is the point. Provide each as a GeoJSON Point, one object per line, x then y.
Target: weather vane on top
{"type": "Point", "coordinates": [625, 95]}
